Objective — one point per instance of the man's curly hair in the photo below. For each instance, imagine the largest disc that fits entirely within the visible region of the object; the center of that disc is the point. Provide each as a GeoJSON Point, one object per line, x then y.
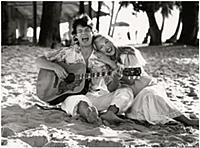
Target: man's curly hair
{"type": "Point", "coordinates": [83, 20]}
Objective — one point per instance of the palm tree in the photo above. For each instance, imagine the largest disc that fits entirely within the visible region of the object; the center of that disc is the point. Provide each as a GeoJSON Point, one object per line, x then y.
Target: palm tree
{"type": "Point", "coordinates": [173, 38]}
{"type": "Point", "coordinates": [98, 14]}
{"type": "Point", "coordinates": [90, 9]}
{"type": "Point", "coordinates": [166, 10]}
{"type": "Point", "coordinates": [81, 7]}
{"type": "Point", "coordinates": [117, 13]}
{"type": "Point", "coordinates": [150, 8]}
{"type": "Point", "coordinates": [34, 22]}
{"type": "Point", "coordinates": [100, 4]}
{"type": "Point", "coordinates": [190, 28]}
{"type": "Point", "coordinates": [50, 30]}
{"type": "Point", "coordinates": [111, 17]}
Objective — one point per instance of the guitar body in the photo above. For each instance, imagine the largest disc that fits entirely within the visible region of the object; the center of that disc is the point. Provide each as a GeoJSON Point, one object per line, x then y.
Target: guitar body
{"type": "Point", "coordinates": [53, 90]}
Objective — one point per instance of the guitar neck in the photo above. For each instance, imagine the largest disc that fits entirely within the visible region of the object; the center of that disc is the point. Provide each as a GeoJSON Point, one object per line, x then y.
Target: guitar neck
{"type": "Point", "coordinates": [92, 75]}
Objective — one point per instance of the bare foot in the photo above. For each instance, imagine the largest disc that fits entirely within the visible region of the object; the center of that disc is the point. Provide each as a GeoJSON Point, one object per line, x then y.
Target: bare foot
{"type": "Point", "coordinates": [187, 121]}
{"type": "Point", "coordinates": [90, 114]}
{"type": "Point", "coordinates": [111, 118]}
{"type": "Point", "coordinates": [194, 122]}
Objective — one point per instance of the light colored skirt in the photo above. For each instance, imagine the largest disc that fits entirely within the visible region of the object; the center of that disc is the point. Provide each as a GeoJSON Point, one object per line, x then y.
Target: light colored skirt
{"type": "Point", "coordinates": [122, 98]}
{"type": "Point", "coordinates": [153, 105]}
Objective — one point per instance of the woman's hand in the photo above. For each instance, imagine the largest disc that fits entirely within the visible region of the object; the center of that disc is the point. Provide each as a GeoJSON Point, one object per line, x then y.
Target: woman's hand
{"type": "Point", "coordinates": [105, 59]}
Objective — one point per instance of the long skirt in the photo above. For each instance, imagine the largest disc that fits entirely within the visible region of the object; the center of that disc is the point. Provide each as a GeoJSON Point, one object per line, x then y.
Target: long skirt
{"type": "Point", "coordinates": [153, 105]}
{"type": "Point", "coordinates": [122, 98]}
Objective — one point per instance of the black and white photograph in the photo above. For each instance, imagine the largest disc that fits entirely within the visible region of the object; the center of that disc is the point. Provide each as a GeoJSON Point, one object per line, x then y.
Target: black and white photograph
{"type": "Point", "coordinates": [99, 74]}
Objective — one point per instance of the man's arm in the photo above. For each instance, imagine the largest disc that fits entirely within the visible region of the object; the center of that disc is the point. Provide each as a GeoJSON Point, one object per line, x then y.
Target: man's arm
{"type": "Point", "coordinates": [42, 62]}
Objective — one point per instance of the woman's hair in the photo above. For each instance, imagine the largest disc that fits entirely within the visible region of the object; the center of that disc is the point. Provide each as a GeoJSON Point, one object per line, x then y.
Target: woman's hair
{"type": "Point", "coordinates": [114, 57]}
{"type": "Point", "coordinates": [122, 49]}
{"type": "Point", "coordinates": [83, 20]}
{"type": "Point", "coordinates": [131, 51]}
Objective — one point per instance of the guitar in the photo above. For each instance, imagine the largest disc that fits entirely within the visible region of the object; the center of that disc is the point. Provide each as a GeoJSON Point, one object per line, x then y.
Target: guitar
{"type": "Point", "coordinates": [53, 90]}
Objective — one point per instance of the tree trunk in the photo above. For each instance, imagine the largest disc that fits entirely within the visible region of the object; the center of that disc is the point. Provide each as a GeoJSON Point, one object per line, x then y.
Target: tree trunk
{"type": "Point", "coordinates": [34, 22]}
{"type": "Point", "coordinates": [8, 24]}
{"type": "Point", "coordinates": [146, 37]}
{"type": "Point", "coordinates": [81, 7]}
{"type": "Point", "coordinates": [155, 33]}
{"type": "Point", "coordinates": [116, 20]}
{"type": "Point", "coordinates": [190, 11]}
{"type": "Point", "coordinates": [50, 30]}
{"type": "Point", "coordinates": [98, 15]}
{"type": "Point", "coordinates": [90, 9]}
{"type": "Point", "coordinates": [111, 18]}
{"type": "Point", "coordinates": [173, 38]}
{"type": "Point", "coordinates": [4, 23]}
{"type": "Point", "coordinates": [162, 26]}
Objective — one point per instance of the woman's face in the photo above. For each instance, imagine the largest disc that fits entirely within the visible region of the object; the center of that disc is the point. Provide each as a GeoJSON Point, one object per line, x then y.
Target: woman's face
{"type": "Point", "coordinates": [104, 45]}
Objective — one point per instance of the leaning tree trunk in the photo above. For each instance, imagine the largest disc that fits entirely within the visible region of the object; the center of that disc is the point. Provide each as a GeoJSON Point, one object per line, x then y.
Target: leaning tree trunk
{"type": "Point", "coordinates": [116, 20]}
{"type": "Point", "coordinates": [190, 27]}
{"type": "Point", "coordinates": [155, 33]}
{"type": "Point", "coordinates": [50, 30]}
{"type": "Point", "coordinates": [173, 38]}
{"type": "Point", "coordinates": [111, 18]}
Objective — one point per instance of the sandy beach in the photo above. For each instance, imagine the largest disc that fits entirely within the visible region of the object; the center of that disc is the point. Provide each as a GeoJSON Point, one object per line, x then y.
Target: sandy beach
{"type": "Point", "coordinates": [23, 124]}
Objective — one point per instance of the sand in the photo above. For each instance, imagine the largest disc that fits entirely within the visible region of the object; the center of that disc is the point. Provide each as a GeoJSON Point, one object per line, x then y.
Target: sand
{"type": "Point", "coordinates": [25, 125]}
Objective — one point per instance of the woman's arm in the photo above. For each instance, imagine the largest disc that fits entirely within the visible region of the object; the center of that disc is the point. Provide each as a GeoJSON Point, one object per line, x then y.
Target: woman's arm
{"type": "Point", "coordinates": [42, 62]}
{"type": "Point", "coordinates": [105, 59]}
{"type": "Point", "coordinates": [115, 82]}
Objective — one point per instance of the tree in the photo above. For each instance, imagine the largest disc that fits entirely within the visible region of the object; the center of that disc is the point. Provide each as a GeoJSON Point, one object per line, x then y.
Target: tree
{"type": "Point", "coordinates": [173, 38]}
{"type": "Point", "coordinates": [8, 24]}
{"type": "Point", "coordinates": [90, 9]}
{"type": "Point", "coordinates": [4, 23]}
{"type": "Point", "coordinates": [50, 30]}
{"type": "Point", "coordinates": [34, 22]}
{"type": "Point", "coordinates": [111, 17]}
{"type": "Point", "coordinates": [98, 14]}
{"type": "Point", "coordinates": [150, 8]}
{"type": "Point", "coordinates": [81, 7]}
{"type": "Point", "coordinates": [190, 27]}
{"type": "Point", "coordinates": [116, 19]}
{"type": "Point", "coordinates": [155, 33]}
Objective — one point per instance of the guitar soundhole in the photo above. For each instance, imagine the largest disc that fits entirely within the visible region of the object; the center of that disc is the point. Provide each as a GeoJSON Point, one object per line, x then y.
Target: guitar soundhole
{"type": "Point", "coordinates": [70, 78]}
{"type": "Point", "coordinates": [65, 86]}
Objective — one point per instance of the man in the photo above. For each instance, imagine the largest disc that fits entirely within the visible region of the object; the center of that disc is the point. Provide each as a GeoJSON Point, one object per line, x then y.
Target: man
{"type": "Point", "coordinates": [103, 94]}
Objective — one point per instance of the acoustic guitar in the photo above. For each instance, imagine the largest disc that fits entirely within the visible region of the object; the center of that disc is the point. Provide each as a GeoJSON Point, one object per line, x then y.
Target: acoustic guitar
{"type": "Point", "coordinates": [53, 90]}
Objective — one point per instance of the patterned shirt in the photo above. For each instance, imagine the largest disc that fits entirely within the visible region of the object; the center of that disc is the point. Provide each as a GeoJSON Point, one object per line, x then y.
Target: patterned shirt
{"type": "Point", "coordinates": [72, 55]}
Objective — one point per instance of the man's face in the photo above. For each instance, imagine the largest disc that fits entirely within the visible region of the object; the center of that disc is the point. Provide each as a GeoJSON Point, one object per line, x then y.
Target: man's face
{"type": "Point", "coordinates": [84, 35]}
{"type": "Point", "coordinates": [104, 45]}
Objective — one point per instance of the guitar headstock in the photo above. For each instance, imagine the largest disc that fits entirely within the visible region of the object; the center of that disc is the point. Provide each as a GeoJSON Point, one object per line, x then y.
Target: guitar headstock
{"type": "Point", "coordinates": [136, 71]}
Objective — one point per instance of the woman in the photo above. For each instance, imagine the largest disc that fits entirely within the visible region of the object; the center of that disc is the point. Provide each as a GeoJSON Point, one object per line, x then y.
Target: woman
{"type": "Point", "coordinates": [150, 102]}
